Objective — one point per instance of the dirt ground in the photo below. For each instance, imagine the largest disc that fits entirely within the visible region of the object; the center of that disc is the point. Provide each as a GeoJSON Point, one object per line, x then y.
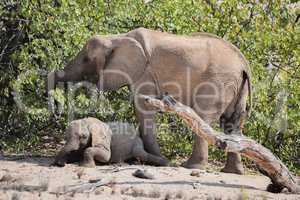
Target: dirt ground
{"type": "Point", "coordinates": [31, 178]}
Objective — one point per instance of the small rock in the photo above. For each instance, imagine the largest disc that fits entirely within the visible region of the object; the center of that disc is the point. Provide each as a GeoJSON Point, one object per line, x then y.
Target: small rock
{"type": "Point", "coordinates": [285, 190]}
{"type": "Point", "coordinates": [209, 171]}
{"type": "Point", "coordinates": [195, 173]}
{"type": "Point", "coordinates": [143, 174]}
{"type": "Point", "coordinates": [221, 181]}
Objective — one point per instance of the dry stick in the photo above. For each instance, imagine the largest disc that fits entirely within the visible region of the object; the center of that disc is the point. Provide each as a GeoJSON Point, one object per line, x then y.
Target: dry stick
{"type": "Point", "coordinates": [272, 166]}
{"type": "Point", "coordinates": [82, 187]}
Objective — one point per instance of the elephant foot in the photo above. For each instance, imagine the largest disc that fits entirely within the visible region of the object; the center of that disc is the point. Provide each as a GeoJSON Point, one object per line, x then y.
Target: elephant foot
{"type": "Point", "coordinates": [157, 161]}
{"type": "Point", "coordinates": [199, 157]}
{"type": "Point", "coordinates": [234, 164]}
{"type": "Point", "coordinates": [236, 169]}
{"type": "Point", "coordinates": [163, 162]}
{"type": "Point", "coordinates": [195, 164]}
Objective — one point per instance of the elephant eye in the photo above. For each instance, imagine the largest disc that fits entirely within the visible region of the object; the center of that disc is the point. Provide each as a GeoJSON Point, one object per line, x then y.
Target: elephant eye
{"type": "Point", "coordinates": [85, 59]}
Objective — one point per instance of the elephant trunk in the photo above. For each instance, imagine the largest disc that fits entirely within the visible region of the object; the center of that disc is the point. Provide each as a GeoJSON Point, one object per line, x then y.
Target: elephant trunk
{"type": "Point", "coordinates": [53, 78]}
{"type": "Point", "coordinates": [69, 74]}
{"type": "Point", "coordinates": [65, 75]}
{"type": "Point", "coordinates": [50, 82]}
{"type": "Point", "coordinates": [63, 155]}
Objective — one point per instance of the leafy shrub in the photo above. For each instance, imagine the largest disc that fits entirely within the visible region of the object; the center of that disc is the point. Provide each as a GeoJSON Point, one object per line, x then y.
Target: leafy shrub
{"type": "Point", "coordinates": [39, 36]}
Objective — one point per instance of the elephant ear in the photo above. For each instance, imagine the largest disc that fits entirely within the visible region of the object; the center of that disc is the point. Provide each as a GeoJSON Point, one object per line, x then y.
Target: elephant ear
{"type": "Point", "coordinates": [127, 60]}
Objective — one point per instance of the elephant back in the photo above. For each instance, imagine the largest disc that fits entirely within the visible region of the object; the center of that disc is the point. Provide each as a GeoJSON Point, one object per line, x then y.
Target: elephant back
{"type": "Point", "coordinates": [124, 136]}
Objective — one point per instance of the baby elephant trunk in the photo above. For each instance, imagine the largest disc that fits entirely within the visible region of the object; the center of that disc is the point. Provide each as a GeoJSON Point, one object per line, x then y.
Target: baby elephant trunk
{"type": "Point", "coordinates": [62, 157]}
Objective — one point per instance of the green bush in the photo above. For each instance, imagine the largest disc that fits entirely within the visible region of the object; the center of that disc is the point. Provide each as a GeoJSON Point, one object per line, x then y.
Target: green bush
{"type": "Point", "coordinates": [42, 35]}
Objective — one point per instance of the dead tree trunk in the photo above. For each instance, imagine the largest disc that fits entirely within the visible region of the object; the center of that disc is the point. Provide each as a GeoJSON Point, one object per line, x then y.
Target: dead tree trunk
{"type": "Point", "coordinates": [269, 164]}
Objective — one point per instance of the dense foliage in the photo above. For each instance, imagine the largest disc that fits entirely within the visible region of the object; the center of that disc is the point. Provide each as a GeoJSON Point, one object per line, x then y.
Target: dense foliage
{"type": "Point", "coordinates": [38, 36]}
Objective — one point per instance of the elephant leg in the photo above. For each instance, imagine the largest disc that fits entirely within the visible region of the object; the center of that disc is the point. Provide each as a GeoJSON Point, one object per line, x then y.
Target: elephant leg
{"type": "Point", "coordinates": [232, 123]}
{"type": "Point", "coordinates": [234, 162]}
{"type": "Point", "coordinates": [147, 129]}
{"type": "Point", "coordinates": [139, 153]}
{"type": "Point", "coordinates": [93, 154]}
{"type": "Point", "coordinates": [199, 157]}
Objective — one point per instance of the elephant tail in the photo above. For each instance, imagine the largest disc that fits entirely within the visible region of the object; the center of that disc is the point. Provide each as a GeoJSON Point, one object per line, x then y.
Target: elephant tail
{"type": "Point", "coordinates": [232, 120]}
{"type": "Point", "coordinates": [246, 78]}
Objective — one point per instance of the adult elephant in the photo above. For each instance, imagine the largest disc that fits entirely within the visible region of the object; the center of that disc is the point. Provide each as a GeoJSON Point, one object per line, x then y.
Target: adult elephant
{"type": "Point", "coordinates": [202, 71]}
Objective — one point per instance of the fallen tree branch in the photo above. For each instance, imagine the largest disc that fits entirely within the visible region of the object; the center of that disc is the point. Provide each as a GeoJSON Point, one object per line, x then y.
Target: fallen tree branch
{"type": "Point", "coordinates": [82, 187]}
{"type": "Point", "coordinates": [118, 169]}
{"type": "Point", "coordinates": [270, 165]}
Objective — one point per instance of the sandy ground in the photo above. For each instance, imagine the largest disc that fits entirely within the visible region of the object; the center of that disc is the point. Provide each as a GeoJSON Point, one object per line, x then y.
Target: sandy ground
{"type": "Point", "coordinates": [32, 178]}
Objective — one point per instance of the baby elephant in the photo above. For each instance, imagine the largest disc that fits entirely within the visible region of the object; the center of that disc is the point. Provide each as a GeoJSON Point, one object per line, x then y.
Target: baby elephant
{"type": "Point", "coordinates": [89, 140]}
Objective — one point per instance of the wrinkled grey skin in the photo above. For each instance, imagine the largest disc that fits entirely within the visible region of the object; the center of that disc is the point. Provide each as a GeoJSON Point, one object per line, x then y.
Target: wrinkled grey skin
{"type": "Point", "coordinates": [190, 68]}
{"type": "Point", "coordinates": [89, 141]}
